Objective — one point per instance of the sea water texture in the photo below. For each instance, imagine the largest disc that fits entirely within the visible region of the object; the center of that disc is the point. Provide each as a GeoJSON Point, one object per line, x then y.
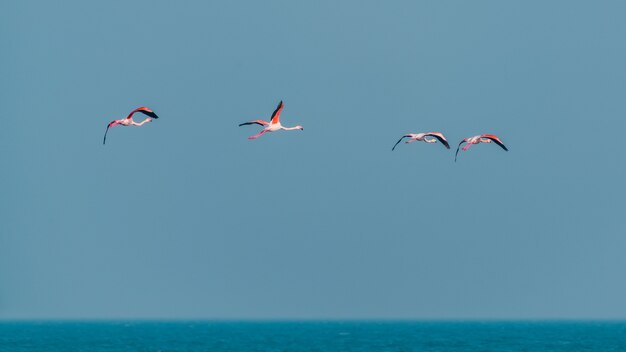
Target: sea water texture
{"type": "Point", "coordinates": [312, 336]}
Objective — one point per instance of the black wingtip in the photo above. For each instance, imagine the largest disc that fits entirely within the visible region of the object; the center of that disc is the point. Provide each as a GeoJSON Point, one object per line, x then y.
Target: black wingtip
{"type": "Point", "coordinates": [502, 145]}
{"type": "Point", "coordinates": [146, 112]}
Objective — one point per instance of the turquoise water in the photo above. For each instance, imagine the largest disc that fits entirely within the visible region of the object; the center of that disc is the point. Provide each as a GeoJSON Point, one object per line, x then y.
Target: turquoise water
{"type": "Point", "coordinates": [313, 336]}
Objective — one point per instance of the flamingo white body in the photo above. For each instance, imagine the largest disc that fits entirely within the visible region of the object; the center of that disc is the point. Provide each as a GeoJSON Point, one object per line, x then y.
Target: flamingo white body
{"type": "Point", "coordinates": [273, 125]}
{"type": "Point", "coordinates": [422, 137]}
{"type": "Point", "coordinates": [128, 121]}
{"type": "Point", "coordinates": [481, 138]}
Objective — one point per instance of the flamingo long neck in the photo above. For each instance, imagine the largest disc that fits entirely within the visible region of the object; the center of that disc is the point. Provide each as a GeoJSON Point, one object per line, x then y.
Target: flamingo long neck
{"type": "Point", "coordinates": [291, 128]}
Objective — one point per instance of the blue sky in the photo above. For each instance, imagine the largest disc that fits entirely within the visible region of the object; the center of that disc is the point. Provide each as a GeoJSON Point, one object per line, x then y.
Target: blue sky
{"type": "Point", "coordinates": [186, 218]}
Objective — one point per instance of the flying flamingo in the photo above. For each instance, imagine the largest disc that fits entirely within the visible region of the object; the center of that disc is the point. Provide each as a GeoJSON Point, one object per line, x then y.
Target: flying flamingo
{"type": "Point", "coordinates": [422, 137]}
{"type": "Point", "coordinates": [128, 121]}
{"type": "Point", "coordinates": [482, 138]}
{"type": "Point", "coordinates": [274, 124]}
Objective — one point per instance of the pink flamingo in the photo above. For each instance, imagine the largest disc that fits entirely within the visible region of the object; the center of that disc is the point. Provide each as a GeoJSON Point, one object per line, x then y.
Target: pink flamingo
{"type": "Point", "coordinates": [482, 138]}
{"type": "Point", "coordinates": [128, 121]}
{"type": "Point", "coordinates": [274, 124]}
{"type": "Point", "coordinates": [422, 137]}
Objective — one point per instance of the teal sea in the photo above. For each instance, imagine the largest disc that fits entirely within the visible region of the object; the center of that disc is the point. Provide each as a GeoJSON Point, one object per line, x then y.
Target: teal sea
{"type": "Point", "coordinates": [312, 336]}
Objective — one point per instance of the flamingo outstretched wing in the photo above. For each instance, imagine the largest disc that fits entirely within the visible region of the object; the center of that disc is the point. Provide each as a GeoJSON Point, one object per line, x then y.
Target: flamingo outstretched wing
{"type": "Point", "coordinates": [276, 114]}
{"type": "Point", "coordinates": [400, 140]}
{"type": "Point", "coordinates": [457, 149]}
{"type": "Point", "coordinates": [143, 110]}
{"type": "Point", "coordinates": [440, 137]}
{"type": "Point", "coordinates": [496, 140]}
{"type": "Point", "coordinates": [255, 122]}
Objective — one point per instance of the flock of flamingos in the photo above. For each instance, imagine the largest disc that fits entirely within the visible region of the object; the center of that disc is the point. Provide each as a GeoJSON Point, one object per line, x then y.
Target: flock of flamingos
{"type": "Point", "coordinates": [274, 125]}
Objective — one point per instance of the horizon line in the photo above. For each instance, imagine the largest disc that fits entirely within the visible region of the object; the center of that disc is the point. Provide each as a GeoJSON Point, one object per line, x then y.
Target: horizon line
{"type": "Point", "coordinates": [311, 320]}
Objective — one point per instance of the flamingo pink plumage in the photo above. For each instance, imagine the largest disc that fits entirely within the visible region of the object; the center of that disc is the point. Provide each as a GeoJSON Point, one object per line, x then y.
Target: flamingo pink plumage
{"type": "Point", "coordinates": [128, 121]}
{"type": "Point", "coordinates": [274, 124]}
{"type": "Point", "coordinates": [422, 137]}
{"type": "Point", "coordinates": [482, 138]}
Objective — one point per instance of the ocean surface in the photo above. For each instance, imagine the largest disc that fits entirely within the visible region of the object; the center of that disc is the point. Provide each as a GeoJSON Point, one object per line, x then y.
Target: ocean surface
{"type": "Point", "coordinates": [312, 336]}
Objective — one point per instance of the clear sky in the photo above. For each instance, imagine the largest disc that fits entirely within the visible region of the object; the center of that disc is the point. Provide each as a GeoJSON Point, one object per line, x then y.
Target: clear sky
{"type": "Point", "coordinates": [186, 218]}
